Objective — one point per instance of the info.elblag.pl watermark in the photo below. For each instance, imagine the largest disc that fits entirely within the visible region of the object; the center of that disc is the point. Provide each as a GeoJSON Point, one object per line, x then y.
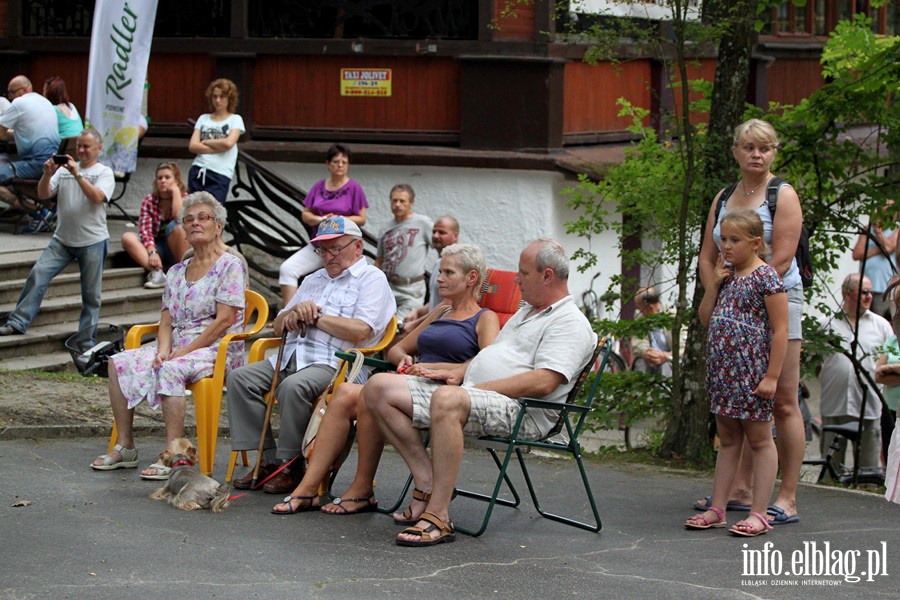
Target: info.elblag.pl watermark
{"type": "Point", "coordinates": [815, 564]}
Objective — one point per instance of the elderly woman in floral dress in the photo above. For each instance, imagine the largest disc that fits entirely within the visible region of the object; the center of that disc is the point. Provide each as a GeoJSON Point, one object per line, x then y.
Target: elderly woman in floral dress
{"type": "Point", "coordinates": [202, 302]}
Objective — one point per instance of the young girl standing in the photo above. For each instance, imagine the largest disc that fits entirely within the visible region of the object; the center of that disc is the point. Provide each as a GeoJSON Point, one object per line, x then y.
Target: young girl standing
{"type": "Point", "coordinates": [745, 308]}
{"type": "Point", "coordinates": [214, 141]}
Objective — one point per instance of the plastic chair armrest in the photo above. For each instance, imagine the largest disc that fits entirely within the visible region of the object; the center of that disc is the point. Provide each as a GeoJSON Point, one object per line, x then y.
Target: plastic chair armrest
{"type": "Point", "coordinates": [137, 332]}
{"type": "Point", "coordinates": [259, 347]}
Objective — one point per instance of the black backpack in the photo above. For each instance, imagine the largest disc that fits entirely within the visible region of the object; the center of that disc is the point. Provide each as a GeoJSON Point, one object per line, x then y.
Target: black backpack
{"type": "Point", "coordinates": [804, 262]}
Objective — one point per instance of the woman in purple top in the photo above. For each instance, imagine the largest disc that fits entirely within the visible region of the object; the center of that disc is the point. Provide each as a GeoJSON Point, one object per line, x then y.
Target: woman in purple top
{"type": "Point", "coordinates": [449, 336]}
{"type": "Point", "coordinates": [337, 195]}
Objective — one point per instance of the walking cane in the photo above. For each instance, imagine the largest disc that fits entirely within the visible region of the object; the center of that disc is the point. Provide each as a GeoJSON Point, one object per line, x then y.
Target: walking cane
{"type": "Point", "coordinates": [270, 401]}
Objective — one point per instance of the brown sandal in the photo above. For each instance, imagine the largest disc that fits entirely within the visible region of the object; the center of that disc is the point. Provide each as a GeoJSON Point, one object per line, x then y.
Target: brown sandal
{"type": "Point", "coordinates": [445, 528]}
{"type": "Point", "coordinates": [407, 515]}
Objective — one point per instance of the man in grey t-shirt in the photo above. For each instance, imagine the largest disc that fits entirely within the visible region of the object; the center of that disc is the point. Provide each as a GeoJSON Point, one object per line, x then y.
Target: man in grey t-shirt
{"type": "Point", "coordinates": [403, 249]}
{"type": "Point", "coordinates": [444, 233]}
{"type": "Point", "coordinates": [82, 190]}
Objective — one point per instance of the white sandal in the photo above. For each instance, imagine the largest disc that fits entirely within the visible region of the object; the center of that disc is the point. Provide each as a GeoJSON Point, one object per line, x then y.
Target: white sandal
{"type": "Point", "coordinates": [128, 460]}
{"type": "Point", "coordinates": [162, 472]}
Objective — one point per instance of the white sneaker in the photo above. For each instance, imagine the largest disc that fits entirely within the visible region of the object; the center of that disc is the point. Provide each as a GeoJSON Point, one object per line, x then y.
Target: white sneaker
{"type": "Point", "coordinates": [155, 280]}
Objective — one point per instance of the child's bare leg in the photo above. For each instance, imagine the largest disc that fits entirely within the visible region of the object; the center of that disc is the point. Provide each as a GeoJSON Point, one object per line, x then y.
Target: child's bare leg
{"type": "Point", "coordinates": [730, 438]}
{"type": "Point", "coordinates": [765, 462]}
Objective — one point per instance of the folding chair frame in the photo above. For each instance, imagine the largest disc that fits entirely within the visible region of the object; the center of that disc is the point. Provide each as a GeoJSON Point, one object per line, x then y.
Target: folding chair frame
{"type": "Point", "coordinates": [572, 446]}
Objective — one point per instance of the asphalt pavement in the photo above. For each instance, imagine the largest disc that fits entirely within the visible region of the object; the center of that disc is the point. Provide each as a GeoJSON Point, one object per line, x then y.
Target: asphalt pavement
{"type": "Point", "coordinates": [86, 534]}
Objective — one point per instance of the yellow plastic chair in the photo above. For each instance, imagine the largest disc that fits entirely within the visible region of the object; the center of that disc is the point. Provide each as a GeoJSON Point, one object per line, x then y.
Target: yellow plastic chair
{"type": "Point", "coordinates": [258, 353]}
{"type": "Point", "coordinates": [207, 392]}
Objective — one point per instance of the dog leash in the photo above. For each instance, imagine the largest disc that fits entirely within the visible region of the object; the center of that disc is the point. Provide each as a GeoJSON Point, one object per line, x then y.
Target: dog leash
{"type": "Point", "coordinates": [263, 482]}
{"type": "Point", "coordinates": [351, 376]}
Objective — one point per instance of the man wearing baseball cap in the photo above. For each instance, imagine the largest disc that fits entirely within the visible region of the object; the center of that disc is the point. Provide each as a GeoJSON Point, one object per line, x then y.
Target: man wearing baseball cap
{"type": "Point", "coordinates": [347, 304]}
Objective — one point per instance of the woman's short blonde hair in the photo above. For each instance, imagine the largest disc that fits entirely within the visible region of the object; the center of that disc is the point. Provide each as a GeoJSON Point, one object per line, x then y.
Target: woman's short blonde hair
{"type": "Point", "coordinates": [757, 130]}
{"type": "Point", "coordinates": [470, 259]}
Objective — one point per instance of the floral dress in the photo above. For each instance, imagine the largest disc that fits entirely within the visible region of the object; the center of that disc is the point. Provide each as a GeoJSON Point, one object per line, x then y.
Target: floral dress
{"type": "Point", "coordinates": [737, 348]}
{"type": "Point", "coordinates": [192, 307]}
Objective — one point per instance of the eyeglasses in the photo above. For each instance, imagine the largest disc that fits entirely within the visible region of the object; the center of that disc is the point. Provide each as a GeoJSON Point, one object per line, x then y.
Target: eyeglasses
{"type": "Point", "coordinates": [340, 162]}
{"type": "Point", "coordinates": [867, 293]}
{"type": "Point", "coordinates": [201, 217]}
{"type": "Point", "coordinates": [335, 252]}
{"type": "Point", "coordinates": [13, 92]}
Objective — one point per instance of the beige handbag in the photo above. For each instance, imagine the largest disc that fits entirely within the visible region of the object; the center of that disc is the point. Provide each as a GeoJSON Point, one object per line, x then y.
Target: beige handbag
{"type": "Point", "coordinates": [309, 438]}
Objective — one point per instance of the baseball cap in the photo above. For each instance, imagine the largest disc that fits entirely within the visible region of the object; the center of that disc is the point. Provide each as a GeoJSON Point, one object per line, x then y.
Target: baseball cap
{"type": "Point", "coordinates": [334, 227]}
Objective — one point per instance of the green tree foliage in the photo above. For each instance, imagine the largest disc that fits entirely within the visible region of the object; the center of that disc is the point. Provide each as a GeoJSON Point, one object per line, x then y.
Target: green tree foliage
{"type": "Point", "coordinates": [839, 150]}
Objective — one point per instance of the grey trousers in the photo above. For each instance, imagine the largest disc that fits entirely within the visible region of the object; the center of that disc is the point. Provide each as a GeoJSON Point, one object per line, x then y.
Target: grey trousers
{"type": "Point", "coordinates": [295, 394]}
{"type": "Point", "coordinates": [409, 297]}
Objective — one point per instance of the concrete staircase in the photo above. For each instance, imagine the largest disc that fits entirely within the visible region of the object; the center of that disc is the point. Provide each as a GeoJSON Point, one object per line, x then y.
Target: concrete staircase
{"type": "Point", "coordinates": [125, 303]}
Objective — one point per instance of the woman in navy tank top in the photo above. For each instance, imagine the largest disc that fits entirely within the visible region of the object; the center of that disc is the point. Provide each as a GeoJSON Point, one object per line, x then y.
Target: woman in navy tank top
{"type": "Point", "coordinates": [448, 337]}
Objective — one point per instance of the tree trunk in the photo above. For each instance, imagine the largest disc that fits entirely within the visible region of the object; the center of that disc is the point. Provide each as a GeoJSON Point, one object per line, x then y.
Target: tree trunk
{"type": "Point", "coordinates": [687, 432]}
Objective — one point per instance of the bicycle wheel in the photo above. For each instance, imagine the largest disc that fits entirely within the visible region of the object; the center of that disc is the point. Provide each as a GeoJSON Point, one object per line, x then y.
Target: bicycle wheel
{"type": "Point", "coordinates": [617, 364]}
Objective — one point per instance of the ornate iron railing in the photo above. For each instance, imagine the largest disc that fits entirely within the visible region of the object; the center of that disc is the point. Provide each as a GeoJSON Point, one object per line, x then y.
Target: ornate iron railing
{"type": "Point", "coordinates": [265, 214]}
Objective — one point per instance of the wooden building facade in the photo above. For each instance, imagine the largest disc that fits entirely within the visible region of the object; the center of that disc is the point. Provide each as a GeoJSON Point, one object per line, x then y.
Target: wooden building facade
{"type": "Point", "coordinates": [473, 74]}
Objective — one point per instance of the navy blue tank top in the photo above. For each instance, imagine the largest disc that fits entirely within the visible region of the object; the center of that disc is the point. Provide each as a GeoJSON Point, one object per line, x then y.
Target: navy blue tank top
{"type": "Point", "coordinates": [448, 340]}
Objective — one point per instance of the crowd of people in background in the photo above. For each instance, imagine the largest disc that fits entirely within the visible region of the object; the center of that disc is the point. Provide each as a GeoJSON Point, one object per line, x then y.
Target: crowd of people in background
{"type": "Point", "coordinates": [457, 372]}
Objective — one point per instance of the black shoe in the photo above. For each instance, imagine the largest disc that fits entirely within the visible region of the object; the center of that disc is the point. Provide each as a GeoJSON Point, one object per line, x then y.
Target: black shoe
{"type": "Point", "coordinates": [10, 330]}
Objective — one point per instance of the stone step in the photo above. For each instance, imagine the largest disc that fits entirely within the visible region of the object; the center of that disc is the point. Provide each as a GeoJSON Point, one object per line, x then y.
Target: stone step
{"type": "Point", "coordinates": [52, 339]}
{"type": "Point", "coordinates": [69, 283]}
{"type": "Point", "coordinates": [16, 263]}
{"type": "Point", "coordinates": [66, 309]}
{"type": "Point", "coordinates": [28, 351]}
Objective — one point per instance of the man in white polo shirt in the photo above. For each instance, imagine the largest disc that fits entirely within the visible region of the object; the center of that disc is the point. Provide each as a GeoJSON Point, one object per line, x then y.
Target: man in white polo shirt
{"type": "Point", "coordinates": [539, 353]}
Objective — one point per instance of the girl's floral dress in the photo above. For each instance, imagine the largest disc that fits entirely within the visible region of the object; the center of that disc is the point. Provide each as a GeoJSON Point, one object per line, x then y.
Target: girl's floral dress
{"type": "Point", "coordinates": [737, 349]}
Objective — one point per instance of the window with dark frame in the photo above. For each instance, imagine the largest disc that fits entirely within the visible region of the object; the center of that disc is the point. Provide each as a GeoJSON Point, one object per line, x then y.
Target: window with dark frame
{"type": "Point", "coordinates": [819, 17]}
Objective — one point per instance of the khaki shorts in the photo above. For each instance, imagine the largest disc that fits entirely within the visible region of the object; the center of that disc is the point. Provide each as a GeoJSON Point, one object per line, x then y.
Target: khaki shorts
{"type": "Point", "coordinates": [491, 413]}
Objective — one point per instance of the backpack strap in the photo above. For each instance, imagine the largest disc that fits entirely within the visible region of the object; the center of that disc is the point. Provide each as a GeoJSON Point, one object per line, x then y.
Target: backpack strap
{"type": "Point", "coordinates": [772, 194]}
{"type": "Point", "coordinates": [723, 197]}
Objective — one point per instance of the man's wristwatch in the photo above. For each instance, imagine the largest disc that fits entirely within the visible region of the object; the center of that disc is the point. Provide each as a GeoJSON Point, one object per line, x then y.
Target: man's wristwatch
{"type": "Point", "coordinates": [152, 252]}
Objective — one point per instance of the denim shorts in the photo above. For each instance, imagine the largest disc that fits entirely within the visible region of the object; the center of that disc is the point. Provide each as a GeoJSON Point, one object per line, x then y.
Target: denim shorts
{"type": "Point", "coordinates": [795, 312]}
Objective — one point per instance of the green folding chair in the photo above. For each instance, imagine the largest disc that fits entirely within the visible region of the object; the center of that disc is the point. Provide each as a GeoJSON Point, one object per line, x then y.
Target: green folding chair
{"type": "Point", "coordinates": [571, 419]}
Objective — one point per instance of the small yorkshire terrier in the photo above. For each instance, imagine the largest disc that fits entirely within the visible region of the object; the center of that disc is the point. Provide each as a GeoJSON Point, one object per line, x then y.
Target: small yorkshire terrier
{"type": "Point", "coordinates": [186, 488]}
